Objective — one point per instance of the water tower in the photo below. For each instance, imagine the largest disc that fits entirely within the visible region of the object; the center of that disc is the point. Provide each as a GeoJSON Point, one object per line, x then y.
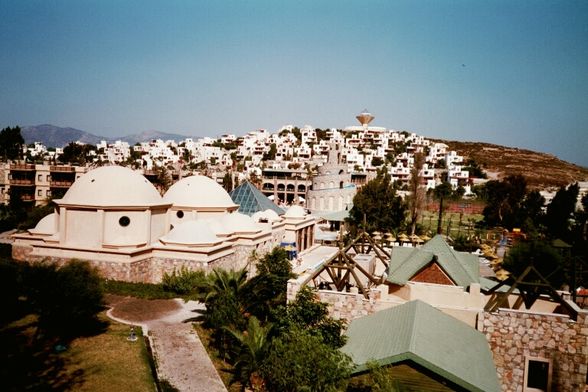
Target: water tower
{"type": "Point", "coordinates": [364, 118]}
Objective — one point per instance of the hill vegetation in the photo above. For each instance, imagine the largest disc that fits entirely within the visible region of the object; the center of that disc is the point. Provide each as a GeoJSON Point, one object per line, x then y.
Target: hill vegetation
{"type": "Point", "coordinates": [539, 169]}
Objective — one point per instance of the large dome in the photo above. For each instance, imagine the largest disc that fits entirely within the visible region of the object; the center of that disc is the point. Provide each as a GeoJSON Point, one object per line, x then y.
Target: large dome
{"type": "Point", "coordinates": [112, 186]}
{"type": "Point", "coordinates": [198, 192]}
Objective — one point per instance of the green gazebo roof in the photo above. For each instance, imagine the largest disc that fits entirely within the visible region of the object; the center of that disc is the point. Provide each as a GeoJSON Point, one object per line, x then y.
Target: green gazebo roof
{"type": "Point", "coordinates": [418, 333]}
{"type": "Point", "coordinates": [461, 267]}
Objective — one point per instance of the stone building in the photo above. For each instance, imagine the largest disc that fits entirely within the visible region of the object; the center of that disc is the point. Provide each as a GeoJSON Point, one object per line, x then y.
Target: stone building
{"type": "Point", "coordinates": [116, 219]}
{"type": "Point", "coordinates": [332, 189]}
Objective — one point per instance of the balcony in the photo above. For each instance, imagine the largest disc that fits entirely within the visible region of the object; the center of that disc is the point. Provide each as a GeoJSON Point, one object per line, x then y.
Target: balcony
{"type": "Point", "coordinates": [60, 184]}
{"type": "Point", "coordinates": [21, 182]}
{"type": "Point", "coordinates": [65, 169]}
{"type": "Point", "coordinates": [21, 167]}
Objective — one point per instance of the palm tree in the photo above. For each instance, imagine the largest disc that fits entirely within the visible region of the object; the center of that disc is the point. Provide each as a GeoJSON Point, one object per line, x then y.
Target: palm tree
{"type": "Point", "coordinates": [251, 350]}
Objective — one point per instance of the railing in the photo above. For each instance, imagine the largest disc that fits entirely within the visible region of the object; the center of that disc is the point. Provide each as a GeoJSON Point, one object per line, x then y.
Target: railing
{"type": "Point", "coordinates": [22, 166]}
{"type": "Point", "coordinates": [21, 182]}
{"type": "Point", "coordinates": [27, 197]}
{"type": "Point", "coordinates": [67, 169]}
{"type": "Point", "coordinates": [61, 184]}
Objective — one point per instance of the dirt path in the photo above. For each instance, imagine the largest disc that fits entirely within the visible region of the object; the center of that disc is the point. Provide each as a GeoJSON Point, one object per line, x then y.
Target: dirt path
{"type": "Point", "coordinates": [179, 354]}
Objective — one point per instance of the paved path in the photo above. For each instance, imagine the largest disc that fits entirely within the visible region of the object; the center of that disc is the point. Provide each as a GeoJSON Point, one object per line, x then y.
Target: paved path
{"type": "Point", "coordinates": [179, 354]}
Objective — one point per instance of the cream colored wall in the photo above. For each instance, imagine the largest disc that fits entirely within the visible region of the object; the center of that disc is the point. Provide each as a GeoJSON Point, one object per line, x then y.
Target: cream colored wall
{"type": "Point", "coordinates": [83, 228]}
{"type": "Point", "coordinates": [189, 215]}
{"type": "Point", "coordinates": [158, 224]}
{"type": "Point", "coordinates": [137, 232]}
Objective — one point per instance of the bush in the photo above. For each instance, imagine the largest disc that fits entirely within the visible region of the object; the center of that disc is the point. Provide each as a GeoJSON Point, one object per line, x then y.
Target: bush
{"type": "Point", "coordinates": [184, 282]}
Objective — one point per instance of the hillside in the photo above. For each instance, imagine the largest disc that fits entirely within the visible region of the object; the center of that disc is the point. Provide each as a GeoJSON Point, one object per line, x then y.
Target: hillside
{"type": "Point", "coordinates": [541, 170]}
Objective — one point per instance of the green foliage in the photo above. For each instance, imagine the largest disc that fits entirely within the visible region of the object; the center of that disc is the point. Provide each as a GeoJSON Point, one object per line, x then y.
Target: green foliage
{"type": "Point", "coordinates": [75, 153]}
{"type": "Point", "coordinates": [376, 379]}
{"type": "Point", "coordinates": [541, 255]}
{"type": "Point", "coordinates": [306, 312]}
{"type": "Point", "coordinates": [67, 299]}
{"type": "Point", "coordinates": [377, 161]}
{"type": "Point", "coordinates": [183, 282]}
{"type": "Point", "coordinates": [378, 204]}
{"type": "Point", "coordinates": [249, 352]}
{"type": "Point", "coordinates": [461, 243]}
{"type": "Point", "coordinates": [474, 169]}
{"type": "Point", "coordinates": [560, 212]}
{"type": "Point", "coordinates": [504, 201]}
{"type": "Point", "coordinates": [35, 215]}
{"type": "Point", "coordinates": [10, 289]}
{"type": "Point", "coordinates": [11, 143]}
{"type": "Point", "coordinates": [138, 290]}
{"type": "Point", "coordinates": [300, 361]}
{"type": "Point", "coordinates": [271, 154]}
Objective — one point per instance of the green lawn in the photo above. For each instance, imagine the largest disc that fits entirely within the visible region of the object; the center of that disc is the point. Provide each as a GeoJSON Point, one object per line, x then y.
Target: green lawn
{"type": "Point", "coordinates": [104, 362]}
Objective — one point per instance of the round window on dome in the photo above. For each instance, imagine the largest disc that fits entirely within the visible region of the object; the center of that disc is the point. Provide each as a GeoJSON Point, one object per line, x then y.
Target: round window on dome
{"type": "Point", "coordinates": [180, 214]}
{"type": "Point", "coordinates": [124, 221]}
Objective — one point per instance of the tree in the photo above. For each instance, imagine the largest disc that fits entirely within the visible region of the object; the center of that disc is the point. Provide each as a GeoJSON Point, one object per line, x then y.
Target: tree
{"type": "Point", "coordinates": [67, 299]}
{"type": "Point", "coordinates": [503, 201]}
{"type": "Point", "coordinates": [416, 198]}
{"type": "Point", "coordinates": [541, 255]}
{"type": "Point", "coordinates": [560, 212]}
{"type": "Point", "coordinates": [228, 182]}
{"type": "Point", "coordinates": [76, 153]}
{"type": "Point", "coordinates": [442, 192]}
{"type": "Point", "coordinates": [300, 361]}
{"type": "Point", "coordinates": [377, 161]}
{"type": "Point", "coordinates": [376, 205]}
{"type": "Point", "coordinates": [271, 154]}
{"type": "Point", "coordinates": [532, 212]}
{"type": "Point", "coordinates": [250, 352]}
{"type": "Point", "coordinates": [11, 143]}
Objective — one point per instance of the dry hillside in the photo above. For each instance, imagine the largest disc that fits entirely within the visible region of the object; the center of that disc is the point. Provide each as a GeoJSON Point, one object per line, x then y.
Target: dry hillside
{"type": "Point", "coordinates": [541, 170]}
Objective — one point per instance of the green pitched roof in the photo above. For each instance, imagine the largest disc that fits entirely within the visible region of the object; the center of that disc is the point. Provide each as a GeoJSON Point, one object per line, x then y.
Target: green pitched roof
{"type": "Point", "coordinates": [461, 267]}
{"type": "Point", "coordinates": [419, 333]}
{"type": "Point", "coordinates": [251, 200]}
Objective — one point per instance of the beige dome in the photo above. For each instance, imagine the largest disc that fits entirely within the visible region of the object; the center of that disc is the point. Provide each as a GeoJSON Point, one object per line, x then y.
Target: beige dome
{"type": "Point", "coordinates": [268, 215]}
{"type": "Point", "coordinates": [240, 223]}
{"type": "Point", "coordinates": [218, 227]}
{"type": "Point", "coordinates": [112, 186]}
{"type": "Point", "coordinates": [46, 226]}
{"type": "Point", "coordinates": [191, 233]}
{"type": "Point", "coordinates": [295, 212]}
{"type": "Point", "coordinates": [198, 192]}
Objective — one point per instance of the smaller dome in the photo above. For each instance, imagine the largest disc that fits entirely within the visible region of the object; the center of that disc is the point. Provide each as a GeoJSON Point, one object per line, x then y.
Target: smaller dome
{"type": "Point", "coordinates": [218, 228]}
{"type": "Point", "coordinates": [198, 192]}
{"type": "Point", "coordinates": [191, 233]}
{"type": "Point", "coordinates": [295, 212]}
{"type": "Point", "coordinates": [46, 226]}
{"type": "Point", "coordinates": [241, 223]}
{"type": "Point", "coordinates": [267, 215]}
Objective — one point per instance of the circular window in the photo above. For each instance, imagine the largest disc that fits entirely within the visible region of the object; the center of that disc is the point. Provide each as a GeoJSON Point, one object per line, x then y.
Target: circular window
{"type": "Point", "coordinates": [180, 214]}
{"type": "Point", "coordinates": [124, 221]}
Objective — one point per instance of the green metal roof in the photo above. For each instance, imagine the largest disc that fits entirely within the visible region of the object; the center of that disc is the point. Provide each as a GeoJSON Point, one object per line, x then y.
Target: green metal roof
{"type": "Point", "coordinates": [251, 200]}
{"type": "Point", "coordinates": [461, 267]}
{"type": "Point", "coordinates": [337, 216]}
{"type": "Point", "coordinates": [419, 333]}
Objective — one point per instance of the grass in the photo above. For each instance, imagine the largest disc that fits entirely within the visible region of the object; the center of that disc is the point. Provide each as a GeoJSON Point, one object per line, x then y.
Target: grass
{"type": "Point", "coordinates": [428, 221]}
{"type": "Point", "coordinates": [138, 290]}
{"type": "Point", "coordinates": [104, 362]}
{"type": "Point", "coordinates": [223, 368]}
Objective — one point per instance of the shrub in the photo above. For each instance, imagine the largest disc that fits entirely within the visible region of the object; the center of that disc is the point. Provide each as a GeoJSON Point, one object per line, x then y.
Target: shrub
{"type": "Point", "coordinates": [184, 282]}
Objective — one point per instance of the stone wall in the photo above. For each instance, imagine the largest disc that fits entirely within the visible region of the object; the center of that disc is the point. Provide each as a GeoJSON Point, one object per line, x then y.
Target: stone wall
{"type": "Point", "coordinates": [515, 335]}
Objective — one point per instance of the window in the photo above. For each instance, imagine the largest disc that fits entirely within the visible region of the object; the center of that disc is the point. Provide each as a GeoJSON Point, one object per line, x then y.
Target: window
{"type": "Point", "coordinates": [39, 192]}
{"type": "Point", "coordinates": [39, 177]}
{"type": "Point", "coordinates": [180, 214]}
{"type": "Point", "coordinates": [537, 375]}
{"type": "Point", "coordinates": [124, 221]}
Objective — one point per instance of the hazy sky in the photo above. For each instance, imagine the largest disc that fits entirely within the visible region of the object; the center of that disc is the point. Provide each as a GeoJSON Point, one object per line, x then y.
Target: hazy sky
{"type": "Point", "coordinates": [507, 72]}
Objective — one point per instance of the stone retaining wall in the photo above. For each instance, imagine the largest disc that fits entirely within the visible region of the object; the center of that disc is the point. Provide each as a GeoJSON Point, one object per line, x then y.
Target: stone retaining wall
{"type": "Point", "coordinates": [517, 335]}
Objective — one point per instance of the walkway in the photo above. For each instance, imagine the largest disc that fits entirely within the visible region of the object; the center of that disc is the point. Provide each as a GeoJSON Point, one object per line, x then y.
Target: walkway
{"type": "Point", "coordinates": [179, 354]}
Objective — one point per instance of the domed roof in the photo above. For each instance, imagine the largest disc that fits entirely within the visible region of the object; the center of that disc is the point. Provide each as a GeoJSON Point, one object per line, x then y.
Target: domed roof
{"type": "Point", "coordinates": [191, 233]}
{"type": "Point", "coordinates": [218, 227]}
{"type": "Point", "coordinates": [295, 212]}
{"type": "Point", "coordinates": [198, 191]}
{"type": "Point", "coordinates": [241, 223]}
{"type": "Point", "coordinates": [46, 226]}
{"type": "Point", "coordinates": [268, 215]}
{"type": "Point", "coordinates": [112, 186]}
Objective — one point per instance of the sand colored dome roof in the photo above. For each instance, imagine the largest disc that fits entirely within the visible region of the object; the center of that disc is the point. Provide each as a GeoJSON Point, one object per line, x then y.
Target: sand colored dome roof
{"type": "Point", "coordinates": [240, 223]}
{"type": "Point", "coordinates": [191, 233]}
{"type": "Point", "coordinates": [112, 186]}
{"type": "Point", "coordinates": [218, 227]}
{"type": "Point", "coordinates": [46, 226]}
{"type": "Point", "coordinates": [269, 215]}
{"type": "Point", "coordinates": [295, 212]}
{"type": "Point", "coordinates": [198, 191]}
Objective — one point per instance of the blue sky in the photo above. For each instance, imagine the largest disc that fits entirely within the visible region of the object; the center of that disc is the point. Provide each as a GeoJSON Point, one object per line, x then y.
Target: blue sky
{"type": "Point", "coordinates": [507, 72]}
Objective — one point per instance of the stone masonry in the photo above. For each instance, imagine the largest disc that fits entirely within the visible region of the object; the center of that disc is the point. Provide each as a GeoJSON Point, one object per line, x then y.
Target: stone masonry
{"type": "Point", "coordinates": [515, 335]}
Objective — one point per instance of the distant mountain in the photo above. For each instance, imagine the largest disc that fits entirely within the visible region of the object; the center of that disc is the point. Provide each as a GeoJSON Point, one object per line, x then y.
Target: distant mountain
{"type": "Point", "coordinates": [151, 135]}
{"type": "Point", "coordinates": [53, 136]}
